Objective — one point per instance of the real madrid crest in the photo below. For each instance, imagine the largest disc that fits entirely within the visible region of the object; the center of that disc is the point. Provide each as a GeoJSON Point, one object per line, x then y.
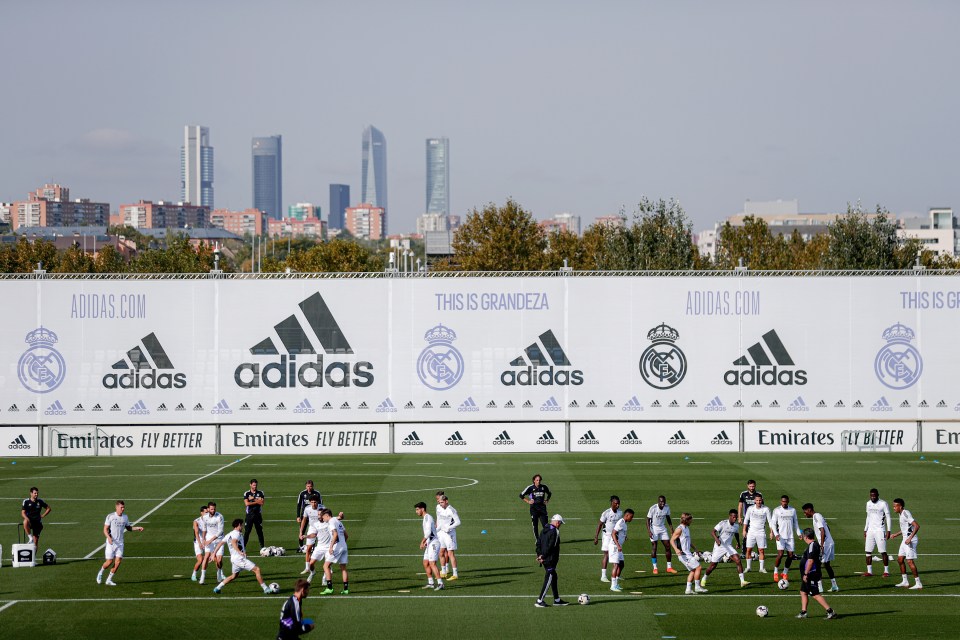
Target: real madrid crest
{"type": "Point", "coordinates": [440, 365]}
{"type": "Point", "coordinates": [663, 364]}
{"type": "Point", "coordinates": [898, 364]}
{"type": "Point", "coordinates": [41, 368]}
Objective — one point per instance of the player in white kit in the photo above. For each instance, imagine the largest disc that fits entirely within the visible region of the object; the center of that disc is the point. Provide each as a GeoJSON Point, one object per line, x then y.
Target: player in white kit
{"type": "Point", "coordinates": [114, 527]}
{"type": "Point", "coordinates": [684, 548]}
{"type": "Point", "coordinates": [198, 542]}
{"type": "Point", "coordinates": [238, 557]}
{"type": "Point", "coordinates": [336, 552]}
{"type": "Point", "coordinates": [908, 547]}
{"type": "Point", "coordinates": [658, 526]}
{"type": "Point", "coordinates": [608, 519]}
{"type": "Point", "coordinates": [785, 522]}
{"type": "Point", "coordinates": [827, 547]}
{"type": "Point", "coordinates": [723, 547]}
{"type": "Point", "coordinates": [431, 547]}
{"type": "Point", "coordinates": [309, 525]}
{"type": "Point", "coordinates": [876, 532]}
{"type": "Point", "coordinates": [617, 540]}
{"type": "Point", "coordinates": [755, 522]}
{"type": "Point", "coordinates": [213, 534]}
{"type": "Point", "coordinates": [447, 522]}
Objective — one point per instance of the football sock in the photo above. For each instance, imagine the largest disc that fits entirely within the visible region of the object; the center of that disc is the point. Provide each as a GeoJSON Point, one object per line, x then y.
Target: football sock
{"type": "Point", "coordinates": [110, 577]}
{"type": "Point", "coordinates": [749, 563]}
{"type": "Point", "coordinates": [100, 574]}
{"type": "Point", "coordinates": [886, 568]}
{"type": "Point", "coordinates": [265, 588]}
{"type": "Point", "coordinates": [834, 581]}
{"type": "Point", "coordinates": [654, 561]}
{"type": "Point", "coordinates": [346, 586]}
{"type": "Point", "coordinates": [603, 573]}
{"type": "Point", "coordinates": [444, 568]}
{"type": "Point", "coordinates": [455, 572]}
{"type": "Point", "coordinates": [669, 565]}
{"type": "Point", "coordinates": [761, 565]}
{"type": "Point", "coordinates": [203, 574]}
{"type": "Point", "coordinates": [741, 576]}
{"type": "Point", "coordinates": [429, 580]}
{"type": "Point", "coordinates": [220, 586]}
{"type": "Point", "coordinates": [917, 580]}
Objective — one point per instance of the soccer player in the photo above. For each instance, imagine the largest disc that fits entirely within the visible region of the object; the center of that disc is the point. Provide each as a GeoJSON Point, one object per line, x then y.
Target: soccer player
{"type": "Point", "coordinates": [909, 528]}
{"type": "Point", "coordinates": [723, 535]}
{"type": "Point", "coordinates": [303, 501]}
{"type": "Point", "coordinates": [810, 572]}
{"type": "Point", "coordinates": [336, 552]}
{"type": "Point", "coordinates": [292, 623]}
{"type": "Point", "coordinates": [617, 538]}
{"type": "Point", "coordinates": [199, 542]}
{"type": "Point", "coordinates": [785, 523]}
{"type": "Point", "coordinates": [537, 495]}
{"type": "Point", "coordinates": [876, 532]}
{"type": "Point", "coordinates": [827, 548]}
{"type": "Point", "coordinates": [431, 547]}
{"type": "Point", "coordinates": [608, 519]}
{"type": "Point", "coordinates": [309, 525]}
{"type": "Point", "coordinates": [684, 548]}
{"type": "Point", "coordinates": [213, 525]}
{"type": "Point", "coordinates": [657, 515]}
{"type": "Point", "coordinates": [746, 501]}
{"type": "Point", "coordinates": [33, 511]}
{"type": "Point", "coordinates": [238, 558]}
{"type": "Point", "coordinates": [114, 527]}
{"type": "Point", "coordinates": [548, 555]}
{"type": "Point", "coordinates": [253, 502]}
{"type": "Point", "coordinates": [447, 522]}
{"type": "Point", "coordinates": [754, 519]}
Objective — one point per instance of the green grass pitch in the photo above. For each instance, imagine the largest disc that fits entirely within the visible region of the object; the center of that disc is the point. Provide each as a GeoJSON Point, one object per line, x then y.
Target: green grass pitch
{"type": "Point", "coordinates": [499, 576]}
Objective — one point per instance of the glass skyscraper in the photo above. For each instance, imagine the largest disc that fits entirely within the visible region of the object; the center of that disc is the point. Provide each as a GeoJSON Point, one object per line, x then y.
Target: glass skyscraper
{"type": "Point", "coordinates": [339, 201]}
{"type": "Point", "coordinates": [373, 181]}
{"type": "Point", "coordinates": [196, 167]}
{"type": "Point", "coordinates": [268, 176]}
{"type": "Point", "coordinates": [438, 176]}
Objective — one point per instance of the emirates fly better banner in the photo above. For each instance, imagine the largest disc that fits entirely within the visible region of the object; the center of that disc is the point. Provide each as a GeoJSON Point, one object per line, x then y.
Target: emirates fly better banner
{"type": "Point", "coordinates": [448, 350]}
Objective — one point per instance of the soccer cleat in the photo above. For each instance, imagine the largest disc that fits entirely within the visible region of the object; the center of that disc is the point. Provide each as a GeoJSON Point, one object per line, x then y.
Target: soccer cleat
{"type": "Point", "coordinates": [540, 604]}
{"type": "Point", "coordinates": [886, 575]}
{"type": "Point", "coordinates": [743, 583]}
{"type": "Point", "coordinates": [110, 583]}
{"type": "Point", "coordinates": [452, 578]}
{"type": "Point", "coordinates": [688, 592]}
{"type": "Point", "coordinates": [427, 586]}
{"type": "Point", "coordinates": [305, 571]}
{"type": "Point", "coordinates": [916, 587]}
{"type": "Point", "coordinates": [560, 603]}
{"type": "Point", "coordinates": [345, 592]}
{"type": "Point", "coordinates": [671, 570]}
{"type": "Point", "coordinates": [802, 615]}
{"type": "Point", "coordinates": [699, 589]}
{"type": "Point", "coordinates": [99, 578]}
{"type": "Point", "coordinates": [867, 574]}
{"type": "Point", "coordinates": [606, 579]}
{"type": "Point", "coordinates": [616, 587]}
{"type": "Point", "coordinates": [443, 574]}
{"type": "Point", "coordinates": [202, 580]}
{"type": "Point", "coordinates": [326, 591]}
{"type": "Point", "coordinates": [703, 581]}
{"type": "Point", "coordinates": [902, 583]}
{"type": "Point", "coordinates": [831, 615]}
{"type": "Point", "coordinates": [762, 570]}
{"type": "Point", "coordinates": [655, 571]}
{"type": "Point", "coordinates": [217, 589]}
{"type": "Point", "coordinates": [776, 576]}
{"type": "Point", "coordinates": [834, 588]}
{"type": "Point", "coordinates": [439, 587]}
{"type": "Point", "coordinates": [193, 578]}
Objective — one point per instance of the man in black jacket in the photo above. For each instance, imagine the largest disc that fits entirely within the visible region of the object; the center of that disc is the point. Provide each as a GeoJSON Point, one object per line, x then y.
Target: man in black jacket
{"type": "Point", "coordinates": [292, 623]}
{"type": "Point", "coordinates": [303, 501]}
{"type": "Point", "coordinates": [548, 555]}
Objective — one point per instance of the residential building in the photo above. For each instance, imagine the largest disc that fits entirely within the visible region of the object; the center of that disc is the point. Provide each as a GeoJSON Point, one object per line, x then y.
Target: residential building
{"type": "Point", "coordinates": [707, 242]}
{"type": "Point", "coordinates": [268, 175]}
{"type": "Point", "coordinates": [339, 201]}
{"type": "Point", "coordinates": [296, 228]}
{"type": "Point", "coordinates": [562, 222]}
{"type": "Point", "coordinates": [365, 221]}
{"type": "Point", "coordinates": [147, 214]}
{"type": "Point", "coordinates": [432, 222]}
{"type": "Point", "coordinates": [196, 167]}
{"type": "Point", "coordinates": [303, 210]}
{"type": "Point", "coordinates": [438, 176]}
{"type": "Point", "coordinates": [50, 206]}
{"type": "Point", "coordinates": [251, 222]}
{"type": "Point", "coordinates": [938, 232]}
{"type": "Point", "coordinates": [5, 209]}
{"type": "Point", "coordinates": [453, 221]}
{"type": "Point", "coordinates": [373, 178]}
{"type": "Point", "coordinates": [610, 221]}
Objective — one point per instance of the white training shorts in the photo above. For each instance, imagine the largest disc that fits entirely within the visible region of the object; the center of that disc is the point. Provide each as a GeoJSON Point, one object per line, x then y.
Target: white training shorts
{"type": "Point", "coordinates": [448, 539]}
{"type": "Point", "coordinates": [112, 551]}
{"type": "Point", "coordinates": [318, 553]}
{"type": "Point", "coordinates": [213, 547]}
{"type": "Point", "coordinates": [785, 543]}
{"type": "Point", "coordinates": [338, 556]}
{"type": "Point", "coordinates": [828, 551]}
{"type": "Point", "coordinates": [689, 561]}
{"type": "Point", "coordinates": [659, 534]}
{"type": "Point", "coordinates": [197, 549]}
{"type": "Point", "coordinates": [614, 555]}
{"type": "Point", "coordinates": [908, 551]}
{"type": "Point", "coordinates": [756, 540]}
{"type": "Point", "coordinates": [875, 538]}
{"type": "Point", "coordinates": [605, 542]}
{"type": "Point", "coordinates": [241, 564]}
{"type": "Point", "coordinates": [721, 550]}
{"type": "Point", "coordinates": [432, 551]}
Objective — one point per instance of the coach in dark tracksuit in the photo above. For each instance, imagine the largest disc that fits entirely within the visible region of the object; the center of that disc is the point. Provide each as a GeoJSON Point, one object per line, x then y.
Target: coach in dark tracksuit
{"type": "Point", "coordinates": [308, 494]}
{"type": "Point", "coordinates": [548, 555]}
{"type": "Point", "coordinates": [537, 495]}
{"type": "Point", "coordinates": [253, 501]}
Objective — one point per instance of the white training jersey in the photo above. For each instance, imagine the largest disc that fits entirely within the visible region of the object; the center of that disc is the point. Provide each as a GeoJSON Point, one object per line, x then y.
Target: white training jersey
{"type": "Point", "coordinates": [684, 539]}
{"type": "Point", "coordinates": [819, 522]}
{"type": "Point", "coordinates": [878, 515]}
{"type": "Point", "coordinates": [610, 518]}
{"type": "Point", "coordinates": [324, 535]}
{"type": "Point", "coordinates": [785, 521]}
{"type": "Point", "coordinates": [447, 519]}
{"type": "Point", "coordinates": [117, 526]}
{"type": "Point", "coordinates": [620, 531]}
{"type": "Point", "coordinates": [334, 524]}
{"type": "Point", "coordinates": [213, 525]}
{"type": "Point", "coordinates": [726, 531]}
{"type": "Point", "coordinates": [200, 527]}
{"type": "Point", "coordinates": [755, 517]}
{"type": "Point", "coordinates": [658, 517]}
{"type": "Point", "coordinates": [235, 556]}
{"type": "Point", "coordinates": [906, 524]}
{"type": "Point", "coordinates": [429, 527]}
{"type": "Point", "coordinates": [313, 516]}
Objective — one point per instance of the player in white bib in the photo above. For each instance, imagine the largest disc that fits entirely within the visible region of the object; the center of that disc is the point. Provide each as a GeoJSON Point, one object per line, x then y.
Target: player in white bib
{"type": "Point", "coordinates": [658, 526]}
{"type": "Point", "coordinates": [213, 534]}
{"type": "Point", "coordinates": [785, 523]}
{"type": "Point", "coordinates": [238, 557]}
{"type": "Point", "coordinates": [827, 548]}
{"type": "Point", "coordinates": [723, 547]}
{"type": "Point", "coordinates": [608, 519]}
{"type": "Point", "coordinates": [447, 522]}
{"type": "Point", "coordinates": [755, 522]}
{"type": "Point", "coordinates": [336, 552]}
{"type": "Point", "coordinates": [309, 526]}
{"type": "Point", "coordinates": [684, 548]}
{"type": "Point", "coordinates": [876, 532]}
{"type": "Point", "coordinates": [908, 547]}
{"type": "Point", "coordinates": [198, 542]}
{"type": "Point", "coordinates": [617, 540]}
{"type": "Point", "coordinates": [431, 547]}
{"type": "Point", "coordinates": [116, 524]}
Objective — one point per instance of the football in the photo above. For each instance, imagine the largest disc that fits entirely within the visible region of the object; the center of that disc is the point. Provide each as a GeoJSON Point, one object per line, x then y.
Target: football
{"type": "Point", "coordinates": [583, 599]}
{"type": "Point", "coordinates": [265, 551]}
{"type": "Point", "coordinates": [762, 611]}
{"type": "Point", "coordinates": [783, 584]}
{"type": "Point", "coordinates": [274, 587]}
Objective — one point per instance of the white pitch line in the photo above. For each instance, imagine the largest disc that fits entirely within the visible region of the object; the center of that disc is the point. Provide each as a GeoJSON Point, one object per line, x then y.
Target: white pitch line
{"type": "Point", "coordinates": [749, 462]}
{"type": "Point", "coordinates": [169, 498]}
{"type": "Point", "coordinates": [646, 463]}
{"type": "Point", "coordinates": [481, 463]}
{"type": "Point", "coordinates": [376, 463]}
{"type": "Point", "coordinates": [693, 462]}
{"type": "Point", "coordinates": [866, 462]}
{"type": "Point", "coordinates": [265, 464]}
{"type": "Point", "coordinates": [99, 466]}
{"type": "Point", "coordinates": [159, 465]}
{"type": "Point", "coordinates": [590, 463]}
{"type": "Point", "coordinates": [498, 519]}
{"type": "Point", "coordinates": [429, 463]}
{"type": "Point", "coordinates": [8, 605]}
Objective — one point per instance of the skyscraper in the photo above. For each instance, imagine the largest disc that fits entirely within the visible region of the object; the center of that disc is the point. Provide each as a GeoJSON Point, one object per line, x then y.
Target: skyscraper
{"type": "Point", "coordinates": [438, 176]}
{"type": "Point", "coordinates": [196, 167]}
{"type": "Point", "coordinates": [339, 201]}
{"type": "Point", "coordinates": [373, 182]}
{"type": "Point", "coordinates": [268, 176]}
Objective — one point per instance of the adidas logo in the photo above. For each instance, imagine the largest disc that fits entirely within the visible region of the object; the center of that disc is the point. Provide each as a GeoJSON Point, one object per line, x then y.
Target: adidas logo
{"type": "Point", "coordinates": [115, 407]}
{"type": "Point", "coordinates": [839, 404]}
{"type": "Point", "coordinates": [14, 408]}
{"type": "Point", "coordinates": [655, 404]}
{"type": "Point", "coordinates": [632, 405]}
{"type": "Point", "coordinates": [245, 407]}
{"type": "Point", "coordinates": [527, 405]}
{"type": "Point", "coordinates": [143, 372]}
{"type": "Point", "coordinates": [756, 404]}
{"type": "Point", "coordinates": [509, 405]}
{"type": "Point", "coordinates": [881, 405]}
{"type": "Point", "coordinates": [179, 407]}
{"type": "Point", "coordinates": [573, 405]}
{"type": "Point", "coordinates": [445, 405]}
{"type": "Point", "coordinates": [386, 406]}
{"type": "Point", "coordinates": [821, 405]}
{"type": "Point", "coordinates": [286, 372]}
{"type": "Point", "coordinates": [222, 408]}
{"type": "Point", "coordinates": [542, 366]}
{"type": "Point", "coordinates": [263, 407]}
{"type": "Point", "coordinates": [491, 405]}
{"type": "Point", "coordinates": [138, 409]}
{"type": "Point", "coordinates": [692, 404]}
{"type": "Point", "coordinates": [412, 440]}
{"type": "Point", "coordinates": [798, 405]}
{"type": "Point", "coordinates": [905, 404]}
{"type": "Point", "coordinates": [923, 404]}
{"type": "Point", "coordinates": [79, 407]}
{"type": "Point", "coordinates": [761, 370]}
{"type": "Point", "coordinates": [96, 407]}
{"type": "Point", "coordinates": [19, 443]}
{"type": "Point", "coordinates": [678, 438]}
{"type": "Point", "coordinates": [547, 438]}
{"type": "Point", "coordinates": [409, 405]}
{"type": "Point", "coordinates": [857, 405]}
{"type": "Point", "coordinates": [33, 407]}
{"type": "Point", "coordinates": [774, 405]}
{"type": "Point", "coordinates": [455, 440]}
{"type": "Point", "coordinates": [304, 407]}
{"type": "Point", "coordinates": [326, 405]}
{"type": "Point", "coordinates": [468, 405]}
{"type": "Point", "coordinates": [363, 405]}
{"type": "Point", "coordinates": [591, 405]}
{"type": "Point", "coordinates": [631, 438]}
{"type": "Point", "coordinates": [609, 405]}
{"type": "Point", "coordinates": [55, 409]}
{"type": "Point", "coordinates": [717, 405]}
{"type": "Point", "coordinates": [345, 405]}
{"type": "Point", "coordinates": [550, 404]}
{"type": "Point", "coordinates": [427, 405]}
{"type": "Point", "coordinates": [674, 404]}
{"type": "Point", "coordinates": [503, 439]}
{"type": "Point", "coordinates": [198, 407]}
{"type": "Point", "coordinates": [738, 404]}
{"type": "Point", "coordinates": [163, 407]}
{"type": "Point", "coordinates": [588, 438]}
{"type": "Point", "coordinates": [721, 438]}
{"type": "Point", "coordinates": [942, 404]}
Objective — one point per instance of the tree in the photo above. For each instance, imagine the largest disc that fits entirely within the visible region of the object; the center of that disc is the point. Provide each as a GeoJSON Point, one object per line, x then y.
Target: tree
{"type": "Point", "coordinates": [179, 256]}
{"type": "Point", "coordinates": [336, 256]}
{"type": "Point", "coordinates": [661, 237]}
{"type": "Point", "coordinates": [505, 238]}
{"type": "Point", "coordinates": [564, 245]}
{"type": "Point", "coordinates": [75, 260]}
{"type": "Point", "coordinates": [28, 254]}
{"type": "Point", "coordinates": [109, 260]}
{"type": "Point", "coordinates": [861, 242]}
{"type": "Point", "coordinates": [606, 246]}
{"type": "Point", "coordinates": [754, 244]}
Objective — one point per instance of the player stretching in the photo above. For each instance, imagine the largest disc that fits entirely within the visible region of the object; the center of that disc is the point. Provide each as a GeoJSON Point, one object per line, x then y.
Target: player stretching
{"type": "Point", "coordinates": [309, 525]}
{"type": "Point", "coordinates": [684, 548]}
{"type": "Point", "coordinates": [908, 548]}
{"type": "Point", "coordinates": [608, 519]}
{"type": "Point", "coordinates": [723, 535]}
{"type": "Point", "coordinates": [537, 495]}
{"type": "Point", "coordinates": [657, 515]}
{"type": "Point", "coordinates": [756, 516]}
{"type": "Point", "coordinates": [785, 523]}
{"type": "Point", "coordinates": [213, 531]}
{"type": "Point", "coordinates": [876, 532]}
{"type": "Point", "coordinates": [199, 542]}
{"type": "Point", "coordinates": [431, 547]}
{"type": "Point", "coordinates": [238, 557]}
{"type": "Point", "coordinates": [336, 552]}
{"type": "Point", "coordinates": [617, 539]}
{"type": "Point", "coordinates": [447, 522]}
{"type": "Point", "coordinates": [827, 548]}
{"type": "Point", "coordinates": [114, 527]}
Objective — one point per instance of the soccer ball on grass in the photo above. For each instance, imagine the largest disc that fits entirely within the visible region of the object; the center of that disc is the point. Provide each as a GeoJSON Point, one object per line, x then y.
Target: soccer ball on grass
{"type": "Point", "coordinates": [583, 599]}
{"type": "Point", "coordinates": [274, 587]}
{"type": "Point", "coordinates": [762, 611]}
{"type": "Point", "coordinates": [783, 584]}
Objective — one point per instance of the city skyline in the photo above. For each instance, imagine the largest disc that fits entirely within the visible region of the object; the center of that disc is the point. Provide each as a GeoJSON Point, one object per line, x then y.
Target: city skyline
{"type": "Point", "coordinates": [267, 164]}
{"type": "Point", "coordinates": [373, 169]}
{"type": "Point", "coordinates": [196, 166]}
{"type": "Point", "coordinates": [438, 176]}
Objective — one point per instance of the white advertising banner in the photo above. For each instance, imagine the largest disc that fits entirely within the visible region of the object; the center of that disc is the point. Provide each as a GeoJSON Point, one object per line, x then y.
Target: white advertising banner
{"type": "Point", "coordinates": [19, 442]}
{"type": "Point", "coordinates": [470, 349]}
{"type": "Point", "coordinates": [941, 436]}
{"type": "Point", "coordinates": [830, 436]}
{"type": "Point", "coordinates": [304, 439]}
{"type": "Point", "coordinates": [109, 440]}
{"type": "Point", "coordinates": [685, 437]}
{"type": "Point", "coordinates": [487, 437]}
